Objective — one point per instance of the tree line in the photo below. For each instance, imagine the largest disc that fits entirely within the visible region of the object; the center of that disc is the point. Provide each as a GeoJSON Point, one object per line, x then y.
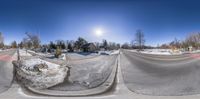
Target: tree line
{"type": "Point", "coordinates": [137, 43]}
{"type": "Point", "coordinates": [192, 40]}
{"type": "Point", "coordinates": [32, 41]}
{"type": "Point", "coordinates": [72, 45]}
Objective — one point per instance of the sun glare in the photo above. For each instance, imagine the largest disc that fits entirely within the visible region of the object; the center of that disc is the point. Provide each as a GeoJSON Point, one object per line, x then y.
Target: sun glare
{"type": "Point", "coordinates": [98, 32]}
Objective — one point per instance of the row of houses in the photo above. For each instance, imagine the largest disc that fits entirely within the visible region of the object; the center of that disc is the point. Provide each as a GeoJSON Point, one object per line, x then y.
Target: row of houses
{"type": "Point", "coordinates": [89, 47]}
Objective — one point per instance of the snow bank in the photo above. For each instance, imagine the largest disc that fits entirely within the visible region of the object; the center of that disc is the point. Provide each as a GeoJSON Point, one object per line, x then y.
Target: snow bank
{"type": "Point", "coordinates": [39, 74]}
{"type": "Point", "coordinates": [157, 51]}
{"type": "Point", "coordinates": [62, 57]}
{"type": "Point", "coordinates": [82, 55]}
{"type": "Point", "coordinates": [108, 52]}
{"type": "Point", "coordinates": [196, 51]}
{"type": "Point", "coordinates": [114, 52]}
{"type": "Point", "coordinates": [104, 52]}
{"type": "Point", "coordinates": [24, 53]}
{"type": "Point", "coordinates": [40, 54]}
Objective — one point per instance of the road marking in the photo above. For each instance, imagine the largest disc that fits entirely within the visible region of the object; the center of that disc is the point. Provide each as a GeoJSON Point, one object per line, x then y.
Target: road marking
{"type": "Point", "coordinates": [196, 56]}
{"type": "Point", "coordinates": [5, 58]}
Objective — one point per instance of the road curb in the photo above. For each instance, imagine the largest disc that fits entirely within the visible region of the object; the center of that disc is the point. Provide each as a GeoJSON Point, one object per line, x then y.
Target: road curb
{"type": "Point", "coordinates": [94, 91]}
{"type": "Point", "coordinates": [12, 79]}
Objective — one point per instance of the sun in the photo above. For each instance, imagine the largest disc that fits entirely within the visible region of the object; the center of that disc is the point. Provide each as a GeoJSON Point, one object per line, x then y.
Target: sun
{"type": "Point", "coordinates": [98, 32]}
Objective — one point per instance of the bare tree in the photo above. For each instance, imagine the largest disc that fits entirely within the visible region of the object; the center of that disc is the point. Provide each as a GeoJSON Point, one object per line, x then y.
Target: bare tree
{"type": "Point", "coordinates": [14, 44]}
{"type": "Point", "coordinates": [34, 40]}
{"type": "Point", "coordinates": [61, 44]}
{"type": "Point", "coordinates": [26, 43]}
{"type": "Point", "coordinates": [97, 44]}
{"type": "Point", "coordinates": [105, 44]}
{"type": "Point", "coordinates": [1, 40]}
{"type": "Point", "coordinates": [79, 43]}
{"type": "Point", "coordinates": [139, 39]}
{"type": "Point", "coordinates": [71, 46]}
{"type": "Point", "coordinates": [175, 43]}
{"type": "Point", "coordinates": [126, 46]}
{"type": "Point", "coordinates": [193, 40]}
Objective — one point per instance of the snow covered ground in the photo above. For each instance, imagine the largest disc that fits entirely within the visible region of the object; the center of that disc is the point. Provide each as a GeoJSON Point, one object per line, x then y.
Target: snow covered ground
{"type": "Point", "coordinates": [40, 54]}
{"type": "Point", "coordinates": [81, 55]}
{"type": "Point", "coordinates": [23, 52]}
{"type": "Point", "coordinates": [155, 51]}
{"type": "Point", "coordinates": [195, 51]}
{"type": "Point", "coordinates": [112, 52]}
{"type": "Point", "coordinates": [164, 51]}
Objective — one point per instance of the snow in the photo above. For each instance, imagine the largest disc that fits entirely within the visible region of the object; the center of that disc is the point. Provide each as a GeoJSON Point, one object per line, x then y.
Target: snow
{"type": "Point", "coordinates": [24, 53]}
{"type": "Point", "coordinates": [33, 53]}
{"type": "Point", "coordinates": [62, 56]}
{"type": "Point", "coordinates": [115, 52]}
{"type": "Point", "coordinates": [32, 62]}
{"type": "Point", "coordinates": [112, 52]}
{"type": "Point", "coordinates": [165, 51]}
{"type": "Point", "coordinates": [81, 55]}
{"type": "Point", "coordinates": [155, 51]}
{"type": "Point", "coordinates": [196, 51]}
{"type": "Point", "coordinates": [44, 78]}
{"type": "Point", "coordinates": [88, 73]}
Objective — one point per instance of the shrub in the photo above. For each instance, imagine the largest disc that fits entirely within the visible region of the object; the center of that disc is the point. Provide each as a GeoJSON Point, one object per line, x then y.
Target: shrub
{"type": "Point", "coordinates": [58, 52]}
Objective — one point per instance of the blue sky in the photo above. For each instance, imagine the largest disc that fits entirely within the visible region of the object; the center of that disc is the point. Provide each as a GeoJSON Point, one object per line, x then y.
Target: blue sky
{"type": "Point", "coordinates": [160, 20]}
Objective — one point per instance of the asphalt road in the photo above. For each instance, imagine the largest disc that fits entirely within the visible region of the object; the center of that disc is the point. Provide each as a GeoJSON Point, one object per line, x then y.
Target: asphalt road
{"type": "Point", "coordinates": [6, 69]}
{"type": "Point", "coordinates": [161, 75]}
{"type": "Point", "coordinates": [87, 73]}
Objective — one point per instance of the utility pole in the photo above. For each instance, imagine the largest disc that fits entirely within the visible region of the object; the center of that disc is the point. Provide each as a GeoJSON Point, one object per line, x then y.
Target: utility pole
{"type": "Point", "coordinates": [18, 55]}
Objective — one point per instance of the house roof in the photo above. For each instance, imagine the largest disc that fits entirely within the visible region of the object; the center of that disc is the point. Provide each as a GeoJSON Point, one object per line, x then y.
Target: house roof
{"type": "Point", "coordinates": [88, 44]}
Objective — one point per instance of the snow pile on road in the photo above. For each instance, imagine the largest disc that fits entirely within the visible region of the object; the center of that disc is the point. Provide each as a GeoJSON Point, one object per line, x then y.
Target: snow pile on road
{"type": "Point", "coordinates": [132, 50]}
{"type": "Point", "coordinates": [62, 57]}
{"type": "Point", "coordinates": [114, 52]}
{"type": "Point", "coordinates": [104, 52]}
{"type": "Point", "coordinates": [111, 52]}
{"type": "Point", "coordinates": [39, 74]}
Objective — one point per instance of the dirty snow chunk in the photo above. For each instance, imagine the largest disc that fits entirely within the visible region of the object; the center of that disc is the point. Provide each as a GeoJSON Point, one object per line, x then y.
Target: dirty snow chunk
{"type": "Point", "coordinates": [46, 77]}
{"type": "Point", "coordinates": [104, 52]}
{"type": "Point", "coordinates": [115, 52]}
{"type": "Point", "coordinates": [32, 62]}
{"type": "Point", "coordinates": [62, 56]}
